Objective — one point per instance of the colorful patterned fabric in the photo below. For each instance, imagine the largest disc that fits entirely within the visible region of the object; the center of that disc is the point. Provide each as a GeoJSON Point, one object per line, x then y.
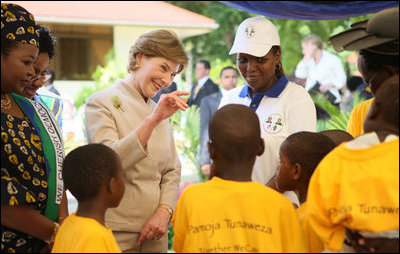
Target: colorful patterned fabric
{"type": "Point", "coordinates": [46, 139]}
{"type": "Point", "coordinates": [53, 149]}
{"type": "Point", "coordinates": [52, 102]}
{"type": "Point", "coordinates": [23, 176]}
{"type": "Point", "coordinates": [18, 24]}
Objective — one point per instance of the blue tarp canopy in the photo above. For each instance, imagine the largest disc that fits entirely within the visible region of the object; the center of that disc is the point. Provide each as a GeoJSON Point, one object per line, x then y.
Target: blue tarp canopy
{"type": "Point", "coordinates": [311, 10]}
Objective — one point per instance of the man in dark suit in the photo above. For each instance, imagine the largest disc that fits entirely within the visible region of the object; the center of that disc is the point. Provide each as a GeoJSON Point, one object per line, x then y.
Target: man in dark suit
{"type": "Point", "coordinates": [204, 85]}
{"type": "Point", "coordinates": [170, 89]}
{"type": "Point", "coordinates": [209, 104]}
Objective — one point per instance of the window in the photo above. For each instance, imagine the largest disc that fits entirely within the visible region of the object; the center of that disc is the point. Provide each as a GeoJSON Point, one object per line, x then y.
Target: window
{"type": "Point", "coordinates": [74, 63]}
{"type": "Point", "coordinates": [80, 49]}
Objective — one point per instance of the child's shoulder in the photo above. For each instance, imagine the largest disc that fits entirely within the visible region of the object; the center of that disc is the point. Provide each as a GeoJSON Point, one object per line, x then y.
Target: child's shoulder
{"type": "Point", "coordinates": [269, 195]}
{"type": "Point", "coordinates": [84, 235]}
{"type": "Point", "coordinates": [276, 195]}
{"type": "Point", "coordinates": [193, 189]}
{"type": "Point", "coordinates": [83, 224]}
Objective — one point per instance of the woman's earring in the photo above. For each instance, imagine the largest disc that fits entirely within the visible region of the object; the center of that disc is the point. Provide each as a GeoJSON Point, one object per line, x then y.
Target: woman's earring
{"type": "Point", "coordinates": [278, 66]}
{"type": "Point", "coordinates": [136, 67]}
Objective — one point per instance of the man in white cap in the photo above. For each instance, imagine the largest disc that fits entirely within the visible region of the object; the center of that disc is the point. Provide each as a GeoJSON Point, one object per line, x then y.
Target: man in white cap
{"type": "Point", "coordinates": [282, 107]}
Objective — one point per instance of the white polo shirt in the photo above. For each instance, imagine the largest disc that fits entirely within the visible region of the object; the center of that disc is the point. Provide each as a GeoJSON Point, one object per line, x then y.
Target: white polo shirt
{"type": "Point", "coordinates": [286, 108]}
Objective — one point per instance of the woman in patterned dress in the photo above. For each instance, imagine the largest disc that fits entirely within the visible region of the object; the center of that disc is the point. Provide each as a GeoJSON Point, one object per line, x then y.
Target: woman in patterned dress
{"type": "Point", "coordinates": [31, 147]}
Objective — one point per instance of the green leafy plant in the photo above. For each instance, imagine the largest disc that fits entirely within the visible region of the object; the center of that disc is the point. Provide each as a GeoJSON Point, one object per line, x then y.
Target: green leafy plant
{"type": "Point", "coordinates": [188, 124]}
{"type": "Point", "coordinates": [338, 120]}
{"type": "Point", "coordinates": [103, 78]}
{"type": "Point", "coordinates": [170, 237]}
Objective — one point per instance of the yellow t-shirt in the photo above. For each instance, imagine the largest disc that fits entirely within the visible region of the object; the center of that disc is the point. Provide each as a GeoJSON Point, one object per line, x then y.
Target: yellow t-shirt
{"type": "Point", "coordinates": [356, 189]}
{"type": "Point", "coordinates": [84, 235]}
{"type": "Point", "coordinates": [355, 125]}
{"type": "Point", "coordinates": [229, 216]}
{"type": "Point", "coordinates": [314, 243]}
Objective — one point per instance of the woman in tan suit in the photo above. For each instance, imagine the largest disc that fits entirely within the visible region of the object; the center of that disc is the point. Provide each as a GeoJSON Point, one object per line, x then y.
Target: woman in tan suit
{"type": "Point", "coordinates": [126, 119]}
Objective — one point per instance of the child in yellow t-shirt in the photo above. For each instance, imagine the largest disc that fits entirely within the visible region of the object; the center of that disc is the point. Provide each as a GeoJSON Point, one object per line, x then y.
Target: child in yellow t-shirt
{"type": "Point", "coordinates": [299, 155]}
{"type": "Point", "coordinates": [355, 188]}
{"type": "Point", "coordinates": [230, 213]}
{"type": "Point", "coordinates": [93, 174]}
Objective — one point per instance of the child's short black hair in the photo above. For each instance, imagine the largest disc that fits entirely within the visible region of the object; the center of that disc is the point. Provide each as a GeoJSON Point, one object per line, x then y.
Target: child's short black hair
{"type": "Point", "coordinates": [87, 167]}
{"type": "Point", "coordinates": [388, 98]}
{"type": "Point", "coordinates": [338, 136]}
{"type": "Point", "coordinates": [308, 149]}
{"type": "Point", "coordinates": [235, 130]}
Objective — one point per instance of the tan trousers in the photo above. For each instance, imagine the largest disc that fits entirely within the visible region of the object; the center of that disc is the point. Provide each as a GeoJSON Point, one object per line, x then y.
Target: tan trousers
{"type": "Point", "coordinates": [127, 242]}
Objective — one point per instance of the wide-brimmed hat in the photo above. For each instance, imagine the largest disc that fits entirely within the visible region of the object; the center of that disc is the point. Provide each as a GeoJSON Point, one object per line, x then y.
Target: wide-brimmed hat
{"type": "Point", "coordinates": [255, 36]}
{"type": "Point", "coordinates": [380, 34]}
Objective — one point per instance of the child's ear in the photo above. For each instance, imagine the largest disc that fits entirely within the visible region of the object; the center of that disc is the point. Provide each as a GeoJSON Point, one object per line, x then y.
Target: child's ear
{"type": "Point", "coordinates": [112, 185]}
{"type": "Point", "coordinates": [261, 147]}
{"type": "Point", "coordinates": [297, 170]}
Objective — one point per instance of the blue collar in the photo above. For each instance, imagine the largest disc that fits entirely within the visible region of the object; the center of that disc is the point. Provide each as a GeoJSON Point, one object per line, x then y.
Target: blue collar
{"type": "Point", "coordinates": [273, 92]}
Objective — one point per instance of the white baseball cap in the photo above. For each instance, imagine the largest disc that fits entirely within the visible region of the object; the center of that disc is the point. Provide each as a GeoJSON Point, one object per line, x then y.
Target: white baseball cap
{"type": "Point", "coordinates": [255, 36]}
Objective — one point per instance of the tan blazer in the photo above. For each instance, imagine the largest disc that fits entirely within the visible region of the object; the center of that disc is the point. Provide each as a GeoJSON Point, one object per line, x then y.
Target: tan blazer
{"type": "Point", "coordinates": [151, 175]}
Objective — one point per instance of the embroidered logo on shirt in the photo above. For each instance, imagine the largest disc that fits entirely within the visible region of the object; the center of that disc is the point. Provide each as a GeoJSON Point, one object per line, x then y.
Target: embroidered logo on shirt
{"type": "Point", "coordinates": [273, 123]}
{"type": "Point", "coordinates": [249, 32]}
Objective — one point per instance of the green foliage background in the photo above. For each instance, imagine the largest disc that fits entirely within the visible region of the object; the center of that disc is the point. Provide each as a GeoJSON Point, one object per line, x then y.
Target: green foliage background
{"type": "Point", "coordinates": [338, 120]}
{"type": "Point", "coordinates": [215, 45]}
{"type": "Point", "coordinates": [104, 76]}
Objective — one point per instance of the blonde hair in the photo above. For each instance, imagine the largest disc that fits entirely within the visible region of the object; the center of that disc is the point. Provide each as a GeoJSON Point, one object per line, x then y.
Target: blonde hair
{"type": "Point", "coordinates": [158, 43]}
{"type": "Point", "coordinates": [314, 39]}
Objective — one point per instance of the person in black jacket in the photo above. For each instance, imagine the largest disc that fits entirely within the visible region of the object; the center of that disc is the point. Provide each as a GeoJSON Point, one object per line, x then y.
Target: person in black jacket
{"type": "Point", "coordinates": [228, 80]}
{"type": "Point", "coordinates": [204, 85]}
{"type": "Point", "coordinates": [172, 88]}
